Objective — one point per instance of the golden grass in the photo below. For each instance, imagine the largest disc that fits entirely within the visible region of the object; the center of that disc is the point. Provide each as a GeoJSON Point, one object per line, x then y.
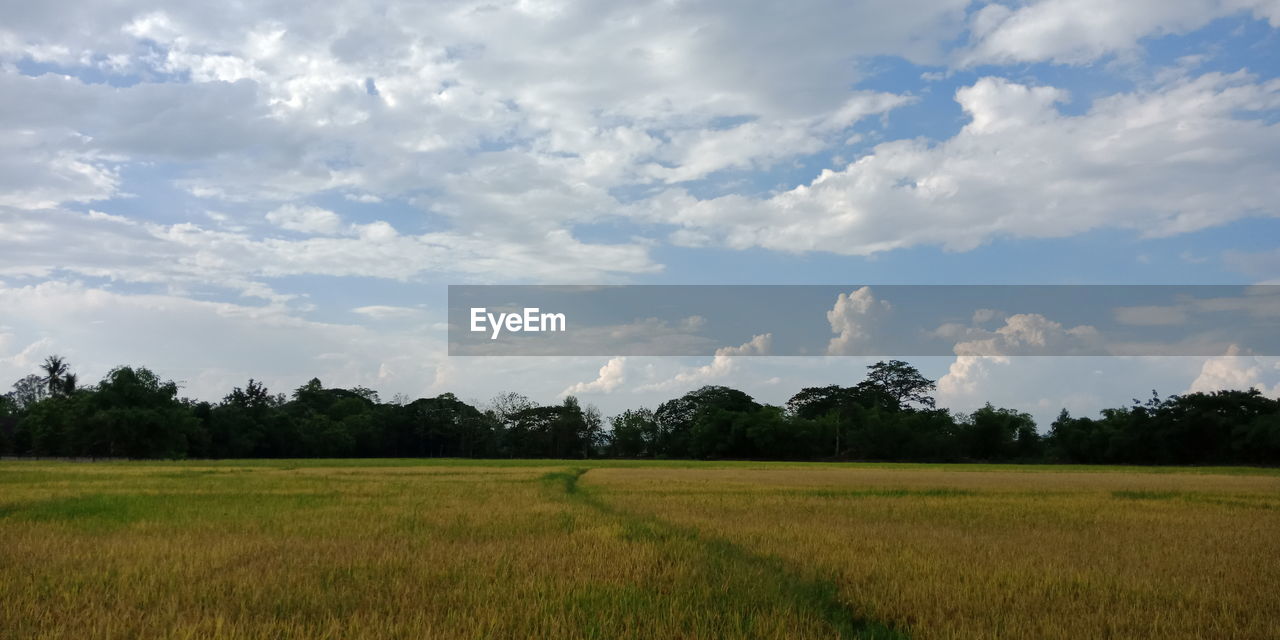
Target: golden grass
{"type": "Point", "coordinates": [999, 555]}
{"type": "Point", "coordinates": [138, 551]}
{"type": "Point", "coordinates": [491, 550]}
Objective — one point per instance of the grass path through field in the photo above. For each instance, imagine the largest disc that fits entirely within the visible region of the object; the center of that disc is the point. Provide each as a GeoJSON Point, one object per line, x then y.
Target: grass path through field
{"type": "Point", "coordinates": [734, 565]}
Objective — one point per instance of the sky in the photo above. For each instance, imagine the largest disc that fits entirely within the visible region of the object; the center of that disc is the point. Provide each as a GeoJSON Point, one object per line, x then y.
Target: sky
{"type": "Point", "coordinates": [284, 190]}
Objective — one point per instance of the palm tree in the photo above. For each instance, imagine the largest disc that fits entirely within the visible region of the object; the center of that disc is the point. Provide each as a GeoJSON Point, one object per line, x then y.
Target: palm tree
{"type": "Point", "coordinates": [55, 374]}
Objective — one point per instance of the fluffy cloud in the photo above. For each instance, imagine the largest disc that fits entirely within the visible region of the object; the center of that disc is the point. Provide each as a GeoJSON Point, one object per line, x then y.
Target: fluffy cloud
{"type": "Point", "coordinates": [611, 375]}
{"type": "Point", "coordinates": [850, 317]}
{"type": "Point", "coordinates": [1189, 154]}
{"type": "Point", "coordinates": [462, 110]}
{"type": "Point", "coordinates": [721, 365]}
{"type": "Point", "coordinates": [966, 375]}
{"type": "Point", "coordinates": [979, 352]}
{"type": "Point", "coordinates": [464, 102]}
{"type": "Point", "coordinates": [1079, 31]}
{"type": "Point", "coordinates": [1237, 371]}
{"type": "Point", "coordinates": [1028, 334]}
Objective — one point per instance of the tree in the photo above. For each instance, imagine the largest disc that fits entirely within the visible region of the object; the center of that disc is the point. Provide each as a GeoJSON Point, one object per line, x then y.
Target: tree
{"type": "Point", "coordinates": [55, 372]}
{"type": "Point", "coordinates": [634, 434]}
{"type": "Point", "coordinates": [8, 426]}
{"type": "Point", "coordinates": [243, 423]}
{"type": "Point", "coordinates": [815, 402]}
{"type": "Point", "coordinates": [446, 426]}
{"type": "Point", "coordinates": [899, 382]}
{"type": "Point", "coordinates": [61, 426]}
{"type": "Point", "coordinates": [594, 438]}
{"type": "Point", "coordinates": [27, 392]}
{"type": "Point", "coordinates": [999, 434]}
{"type": "Point", "coordinates": [1080, 440]}
{"type": "Point", "coordinates": [131, 413]}
{"type": "Point", "coordinates": [701, 423]}
{"type": "Point", "coordinates": [831, 409]}
{"type": "Point", "coordinates": [888, 416]}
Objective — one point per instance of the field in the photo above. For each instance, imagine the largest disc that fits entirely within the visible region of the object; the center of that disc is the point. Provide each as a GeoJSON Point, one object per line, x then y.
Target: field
{"type": "Point", "coordinates": [573, 549]}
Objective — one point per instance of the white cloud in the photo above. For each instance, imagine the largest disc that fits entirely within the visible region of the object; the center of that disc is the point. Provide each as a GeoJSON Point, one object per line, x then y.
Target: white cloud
{"type": "Point", "coordinates": [1237, 371]}
{"type": "Point", "coordinates": [40, 169]}
{"type": "Point", "coordinates": [850, 319]}
{"type": "Point", "coordinates": [467, 102]}
{"type": "Point", "coordinates": [1028, 334]}
{"type": "Point", "coordinates": [93, 245]}
{"type": "Point", "coordinates": [306, 219]}
{"type": "Point", "coordinates": [611, 375]}
{"type": "Point", "coordinates": [967, 375]}
{"type": "Point", "coordinates": [463, 110]}
{"type": "Point", "coordinates": [1080, 31]}
{"type": "Point", "coordinates": [980, 352]}
{"type": "Point", "coordinates": [1180, 157]}
{"type": "Point", "coordinates": [721, 365]}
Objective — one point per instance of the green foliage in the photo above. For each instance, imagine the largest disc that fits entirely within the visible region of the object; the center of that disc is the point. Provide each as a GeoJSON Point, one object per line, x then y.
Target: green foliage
{"type": "Point", "coordinates": [899, 384]}
{"type": "Point", "coordinates": [27, 392]}
{"type": "Point", "coordinates": [889, 416]}
{"type": "Point", "coordinates": [1223, 427]}
{"type": "Point", "coordinates": [634, 434]}
{"type": "Point", "coordinates": [999, 434]}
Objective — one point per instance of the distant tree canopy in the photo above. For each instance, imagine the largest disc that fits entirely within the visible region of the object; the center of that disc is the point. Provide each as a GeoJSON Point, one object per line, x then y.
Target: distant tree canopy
{"type": "Point", "coordinates": [889, 415]}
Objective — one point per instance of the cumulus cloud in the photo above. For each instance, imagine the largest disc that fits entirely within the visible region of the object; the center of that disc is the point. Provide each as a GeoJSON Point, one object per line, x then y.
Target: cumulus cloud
{"type": "Point", "coordinates": [611, 375]}
{"type": "Point", "coordinates": [850, 319]}
{"type": "Point", "coordinates": [1080, 31]}
{"type": "Point", "coordinates": [1185, 155]}
{"type": "Point", "coordinates": [1028, 334]}
{"type": "Point", "coordinates": [463, 113]}
{"type": "Point", "coordinates": [979, 350]}
{"type": "Point", "coordinates": [460, 109]}
{"type": "Point", "coordinates": [967, 375]}
{"type": "Point", "coordinates": [721, 365]}
{"type": "Point", "coordinates": [1235, 370]}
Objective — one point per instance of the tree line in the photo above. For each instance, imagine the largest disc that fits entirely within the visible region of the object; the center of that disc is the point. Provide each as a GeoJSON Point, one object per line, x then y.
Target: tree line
{"type": "Point", "coordinates": [890, 415]}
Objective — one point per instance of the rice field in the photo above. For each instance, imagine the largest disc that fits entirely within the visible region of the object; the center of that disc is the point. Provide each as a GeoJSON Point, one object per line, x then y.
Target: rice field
{"type": "Point", "coordinates": [573, 549]}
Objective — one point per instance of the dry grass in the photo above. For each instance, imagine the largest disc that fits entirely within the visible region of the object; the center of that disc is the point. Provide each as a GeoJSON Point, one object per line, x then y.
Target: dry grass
{"type": "Point", "coordinates": [516, 550]}
{"type": "Point", "coordinates": [163, 551]}
{"type": "Point", "coordinates": [984, 555]}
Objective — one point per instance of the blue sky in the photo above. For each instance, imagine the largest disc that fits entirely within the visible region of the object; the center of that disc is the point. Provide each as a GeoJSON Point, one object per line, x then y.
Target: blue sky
{"type": "Point", "coordinates": [283, 191]}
